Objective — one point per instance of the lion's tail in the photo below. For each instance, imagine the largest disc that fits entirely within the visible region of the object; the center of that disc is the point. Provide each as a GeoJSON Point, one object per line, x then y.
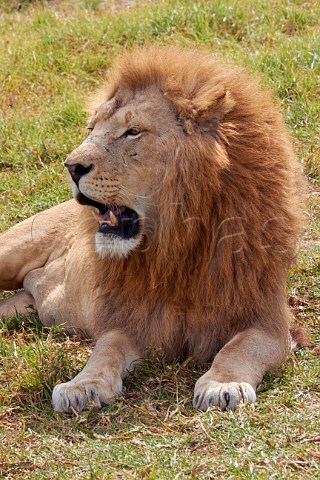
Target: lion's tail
{"type": "Point", "coordinates": [299, 338]}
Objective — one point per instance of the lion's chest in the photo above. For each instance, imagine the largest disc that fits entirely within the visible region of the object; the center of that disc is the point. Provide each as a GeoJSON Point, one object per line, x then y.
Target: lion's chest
{"type": "Point", "coordinates": [175, 330]}
{"type": "Point", "coordinates": [70, 291]}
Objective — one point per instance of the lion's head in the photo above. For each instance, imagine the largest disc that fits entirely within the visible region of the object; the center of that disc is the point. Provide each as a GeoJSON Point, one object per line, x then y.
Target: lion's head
{"type": "Point", "coordinates": [188, 159]}
{"type": "Point", "coordinates": [120, 165]}
{"type": "Point", "coordinates": [144, 162]}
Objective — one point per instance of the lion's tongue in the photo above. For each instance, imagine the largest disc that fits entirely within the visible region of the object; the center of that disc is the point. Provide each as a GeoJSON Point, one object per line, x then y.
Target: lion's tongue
{"type": "Point", "coordinates": [110, 217]}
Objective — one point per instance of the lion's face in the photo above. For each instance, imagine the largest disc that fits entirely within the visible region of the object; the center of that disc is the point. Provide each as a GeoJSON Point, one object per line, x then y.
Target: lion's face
{"type": "Point", "coordinates": [120, 164]}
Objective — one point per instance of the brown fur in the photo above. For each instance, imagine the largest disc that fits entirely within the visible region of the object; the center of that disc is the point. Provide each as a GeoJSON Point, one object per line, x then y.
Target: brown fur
{"type": "Point", "coordinates": [223, 214]}
{"type": "Point", "coordinates": [223, 252]}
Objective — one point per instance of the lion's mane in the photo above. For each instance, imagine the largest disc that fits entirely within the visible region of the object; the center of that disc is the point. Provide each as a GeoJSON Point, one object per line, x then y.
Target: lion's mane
{"type": "Point", "coordinates": [215, 259]}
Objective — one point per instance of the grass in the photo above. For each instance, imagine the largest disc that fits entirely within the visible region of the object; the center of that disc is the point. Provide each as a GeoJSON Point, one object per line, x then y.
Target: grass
{"type": "Point", "coordinates": [52, 54]}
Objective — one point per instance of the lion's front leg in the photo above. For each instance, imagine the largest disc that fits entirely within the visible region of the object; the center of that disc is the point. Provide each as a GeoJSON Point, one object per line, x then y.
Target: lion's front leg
{"type": "Point", "coordinates": [239, 367]}
{"type": "Point", "coordinates": [101, 379]}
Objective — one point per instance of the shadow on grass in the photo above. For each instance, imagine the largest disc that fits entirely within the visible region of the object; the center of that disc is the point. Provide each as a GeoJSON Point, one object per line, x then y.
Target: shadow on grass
{"type": "Point", "coordinates": [154, 392]}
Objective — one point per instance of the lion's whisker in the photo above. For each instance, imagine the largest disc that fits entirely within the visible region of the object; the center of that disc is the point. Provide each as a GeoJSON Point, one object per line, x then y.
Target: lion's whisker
{"type": "Point", "coordinates": [126, 191]}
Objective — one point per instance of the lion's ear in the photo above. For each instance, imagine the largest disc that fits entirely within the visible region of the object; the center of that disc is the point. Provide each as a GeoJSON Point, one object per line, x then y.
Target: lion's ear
{"type": "Point", "coordinates": [208, 103]}
{"type": "Point", "coordinates": [212, 103]}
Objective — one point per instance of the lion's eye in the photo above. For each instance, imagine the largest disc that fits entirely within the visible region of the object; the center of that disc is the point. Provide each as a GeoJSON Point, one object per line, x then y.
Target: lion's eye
{"type": "Point", "coordinates": [133, 132]}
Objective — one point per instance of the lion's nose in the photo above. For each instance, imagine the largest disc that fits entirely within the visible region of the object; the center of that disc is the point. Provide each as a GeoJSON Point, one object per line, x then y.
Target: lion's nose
{"type": "Point", "coordinates": [77, 170]}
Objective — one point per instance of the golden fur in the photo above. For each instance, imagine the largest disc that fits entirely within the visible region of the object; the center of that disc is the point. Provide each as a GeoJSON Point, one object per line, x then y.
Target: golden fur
{"type": "Point", "coordinates": [218, 184]}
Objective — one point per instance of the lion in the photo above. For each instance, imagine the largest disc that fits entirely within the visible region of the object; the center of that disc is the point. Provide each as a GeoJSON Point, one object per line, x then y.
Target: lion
{"type": "Point", "coordinates": [185, 220]}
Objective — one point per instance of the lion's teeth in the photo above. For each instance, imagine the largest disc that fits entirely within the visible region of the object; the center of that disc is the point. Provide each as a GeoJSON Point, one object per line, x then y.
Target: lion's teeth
{"type": "Point", "coordinates": [113, 218]}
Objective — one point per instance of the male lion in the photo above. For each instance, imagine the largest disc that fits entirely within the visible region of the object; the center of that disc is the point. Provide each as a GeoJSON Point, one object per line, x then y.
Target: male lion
{"type": "Point", "coordinates": [185, 222]}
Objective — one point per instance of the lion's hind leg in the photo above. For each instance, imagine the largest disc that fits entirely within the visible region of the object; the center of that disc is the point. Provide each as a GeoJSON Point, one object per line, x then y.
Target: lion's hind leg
{"type": "Point", "coordinates": [29, 244]}
{"type": "Point", "coordinates": [17, 304]}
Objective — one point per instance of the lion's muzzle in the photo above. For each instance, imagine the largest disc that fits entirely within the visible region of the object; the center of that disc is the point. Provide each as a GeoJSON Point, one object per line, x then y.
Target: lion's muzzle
{"type": "Point", "coordinates": [116, 221]}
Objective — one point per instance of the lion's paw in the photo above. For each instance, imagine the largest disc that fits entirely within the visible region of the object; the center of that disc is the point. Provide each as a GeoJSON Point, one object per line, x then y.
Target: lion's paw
{"type": "Point", "coordinates": [209, 393]}
{"type": "Point", "coordinates": [77, 394]}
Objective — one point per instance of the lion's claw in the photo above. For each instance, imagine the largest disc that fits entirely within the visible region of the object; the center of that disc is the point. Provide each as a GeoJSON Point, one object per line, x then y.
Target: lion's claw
{"type": "Point", "coordinates": [209, 393]}
{"type": "Point", "coordinates": [76, 395]}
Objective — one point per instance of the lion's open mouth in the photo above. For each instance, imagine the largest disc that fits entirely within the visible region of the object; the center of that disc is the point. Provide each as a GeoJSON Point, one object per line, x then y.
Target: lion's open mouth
{"type": "Point", "coordinates": [116, 220]}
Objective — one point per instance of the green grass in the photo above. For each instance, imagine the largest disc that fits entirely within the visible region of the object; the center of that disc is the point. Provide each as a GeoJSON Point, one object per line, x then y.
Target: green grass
{"type": "Point", "coordinates": [52, 55]}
